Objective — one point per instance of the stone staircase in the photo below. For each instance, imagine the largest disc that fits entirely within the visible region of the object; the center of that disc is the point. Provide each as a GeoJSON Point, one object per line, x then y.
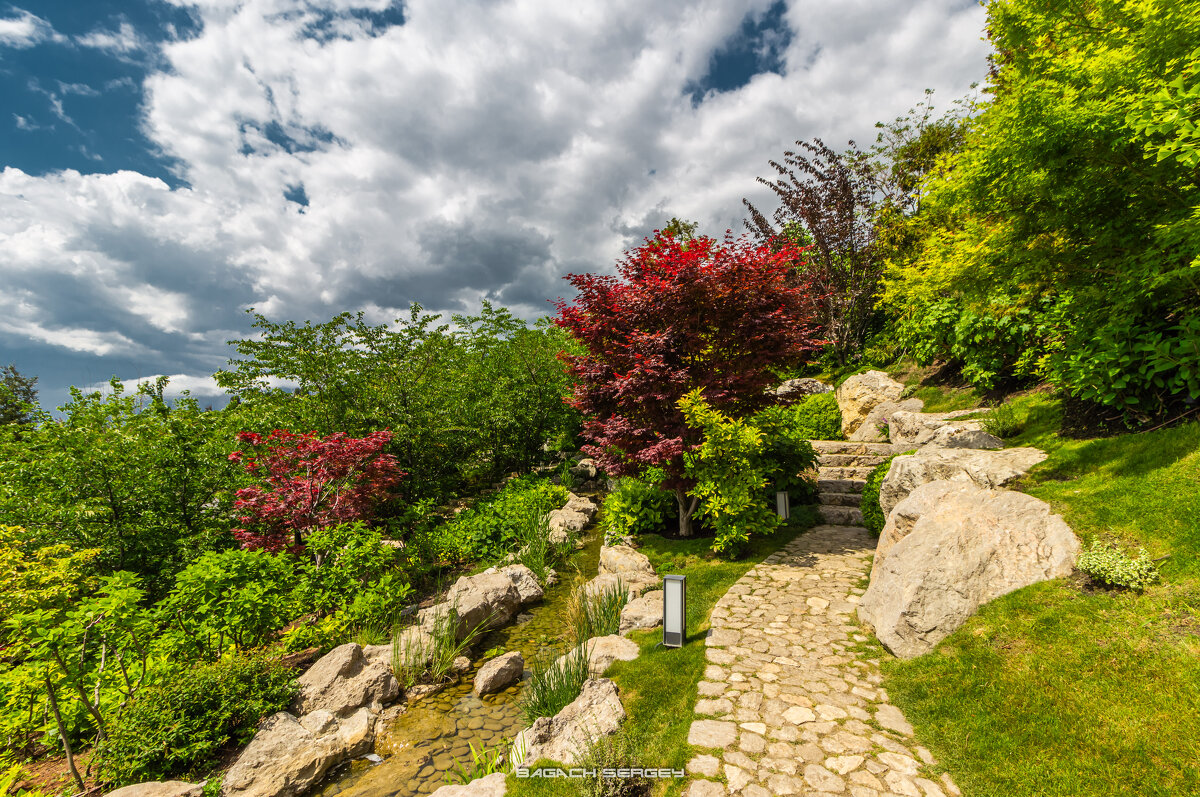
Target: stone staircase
{"type": "Point", "coordinates": [842, 471]}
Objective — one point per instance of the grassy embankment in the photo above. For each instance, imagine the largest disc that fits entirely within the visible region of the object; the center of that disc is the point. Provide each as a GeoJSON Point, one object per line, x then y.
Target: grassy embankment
{"type": "Point", "coordinates": [1061, 688]}
{"type": "Point", "coordinates": [658, 689]}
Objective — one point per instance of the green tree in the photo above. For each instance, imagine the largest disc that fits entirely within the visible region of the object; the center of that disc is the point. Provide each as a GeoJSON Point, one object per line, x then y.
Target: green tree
{"type": "Point", "coordinates": [147, 484]}
{"type": "Point", "coordinates": [18, 397]}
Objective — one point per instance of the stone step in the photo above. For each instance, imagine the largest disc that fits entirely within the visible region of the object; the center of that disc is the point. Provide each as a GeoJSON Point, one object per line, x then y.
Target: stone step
{"type": "Point", "coordinates": [844, 473]}
{"type": "Point", "coordinates": [850, 460]}
{"type": "Point", "coordinates": [854, 486]}
{"type": "Point", "coordinates": [851, 447]}
{"type": "Point", "coordinates": [841, 515]}
{"type": "Point", "coordinates": [839, 499]}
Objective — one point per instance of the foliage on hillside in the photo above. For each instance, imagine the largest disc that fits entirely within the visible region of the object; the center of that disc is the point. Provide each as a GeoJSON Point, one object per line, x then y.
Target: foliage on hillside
{"type": "Point", "coordinates": [1061, 241]}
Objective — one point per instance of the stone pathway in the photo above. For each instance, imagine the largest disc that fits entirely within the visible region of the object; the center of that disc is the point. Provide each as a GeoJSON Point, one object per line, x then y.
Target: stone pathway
{"type": "Point", "coordinates": [786, 706]}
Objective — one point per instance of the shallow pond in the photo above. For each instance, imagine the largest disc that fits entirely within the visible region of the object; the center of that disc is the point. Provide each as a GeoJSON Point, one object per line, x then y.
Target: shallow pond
{"type": "Point", "coordinates": [421, 745]}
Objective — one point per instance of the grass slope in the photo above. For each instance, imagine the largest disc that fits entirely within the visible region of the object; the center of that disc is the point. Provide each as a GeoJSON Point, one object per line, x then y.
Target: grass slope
{"type": "Point", "coordinates": [1059, 689]}
{"type": "Point", "coordinates": [658, 689]}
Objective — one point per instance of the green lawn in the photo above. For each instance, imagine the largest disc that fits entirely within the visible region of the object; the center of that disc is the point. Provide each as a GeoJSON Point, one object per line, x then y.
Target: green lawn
{"type": "Point", "coordinates": [658, 689]}
{"type": "Point", "coordinates": [1058, 689]}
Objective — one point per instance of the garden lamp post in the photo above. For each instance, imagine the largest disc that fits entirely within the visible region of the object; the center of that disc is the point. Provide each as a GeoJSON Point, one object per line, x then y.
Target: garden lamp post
{"type": "Point", "coordinates": [674, 611]}
{"type": "Point", "coordinates": [783, 504]}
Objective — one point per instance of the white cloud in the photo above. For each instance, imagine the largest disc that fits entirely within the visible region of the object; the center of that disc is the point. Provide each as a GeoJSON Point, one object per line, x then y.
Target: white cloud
{"type": "Point", "coordinates": [123, 40]}
{"type": "Point", "coordinates": [178, 384]}
{"type": "Point", "coordinates": [478, 150]}
{"type": "Point", "coordinates": [26, 30]}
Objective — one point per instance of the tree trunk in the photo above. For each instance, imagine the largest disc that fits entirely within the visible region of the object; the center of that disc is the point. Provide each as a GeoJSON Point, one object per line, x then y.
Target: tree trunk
{"type": "Point", "coordinates": [686, 508]}
{"type": "Point", "coordinates": [62, 733]}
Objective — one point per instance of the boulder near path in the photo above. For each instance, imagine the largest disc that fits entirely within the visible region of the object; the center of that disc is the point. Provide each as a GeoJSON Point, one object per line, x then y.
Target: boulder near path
{"type": "Point", "coordinates": [788, 703]}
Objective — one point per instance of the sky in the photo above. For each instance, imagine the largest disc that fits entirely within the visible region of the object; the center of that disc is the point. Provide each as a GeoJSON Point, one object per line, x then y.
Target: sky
{"type": "Point", "coordinates": [167, 165]}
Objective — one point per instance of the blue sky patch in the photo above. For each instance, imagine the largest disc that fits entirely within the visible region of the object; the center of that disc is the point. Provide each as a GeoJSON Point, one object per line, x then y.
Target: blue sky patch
{"type": "Point", "coordinates": [757, 47]}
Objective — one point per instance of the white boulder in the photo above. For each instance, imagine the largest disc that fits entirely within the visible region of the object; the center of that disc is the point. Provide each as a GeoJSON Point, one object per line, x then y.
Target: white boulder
{"type": "Point", "coordinates": [964, 546]}
{"type": "Point", "coordinates": [566, 736]}
{"type": "Point", "coordinates": [861, 393]}
{"type": "Point", "coordinates": [984, 468]}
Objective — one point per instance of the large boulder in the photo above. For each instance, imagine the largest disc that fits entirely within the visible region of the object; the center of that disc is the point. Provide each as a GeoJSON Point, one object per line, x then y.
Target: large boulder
{"type": "Point", "coordinates": [872, 428]}
{"type": "Point", "coordinates": [602, 651]}
{"type": "Point", "coordinates": [166, 788]}
{"type": "Point", "coordinates": [966, 546]}
{"type": "Point", "coordinates": [641, 613]}
{"type": "Point", "coordinates": [499, 673]}
{"type": "Point", "coordinates": [487, 600]}
{"type": "Point", "coordinates": [566, 736]}
{"type": "Point", "coordinates": [795, 388]}
{"type": "Point", "coordinates": [861, 393]}
{"type": "Point", "coordinates": [288, 755]}
{"type": "Point", "coordinates": [493, 785]}
{"type": "Point", "coordinates": [584, 468]}
{"type": "Point", "coordinates": [584, 506]}
{"type": "Point", "coordinates": [563, 522]}
{"type": "Point", "coordinates": [624, 561]}
{"type": "Point", "coordinates": [965, 434]}
{"type": "Point", "coordinates": [916, 429]}
{"type": "Point", "coordinates": [343, 680]}
{"type": "Point", "coordinates": [525, 581]}
{"type": "Point", "coordinates": [983, 468]}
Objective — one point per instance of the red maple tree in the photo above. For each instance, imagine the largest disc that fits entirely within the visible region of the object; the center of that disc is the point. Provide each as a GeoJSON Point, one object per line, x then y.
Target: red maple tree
{"type": "Point", "coordinates": [680, 315]}
{"type": "Point", "coordinates": [310, 482]}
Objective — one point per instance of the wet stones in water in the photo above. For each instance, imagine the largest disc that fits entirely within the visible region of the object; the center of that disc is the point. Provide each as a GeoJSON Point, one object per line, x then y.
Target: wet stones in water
{"type": "Point", "coordinates": [475, 723]}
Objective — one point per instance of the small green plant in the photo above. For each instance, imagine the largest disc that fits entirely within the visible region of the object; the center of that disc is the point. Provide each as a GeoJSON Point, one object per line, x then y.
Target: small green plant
{"type": "Point", "coordinates": [535, 550]}
{"type": "Point", "coordinates": [731, 476]}
{"type": "Point", "coordinates": [816, 417]}
{"type": "Point", "coordinates": [1002, 422]}
{"type": "Point", "coordinates": [597, 613]}
{"type": "Point", "coordinates": [212, 786]}
{"type": "Point", "coordinates": [484, 762]}
{"type": "Point", "coordinates": [8, 779]}
{"type": "Point", "coordinates": [553, 685]}
{"type": "Point", "coordinates": [872, 513]}
{"type": "Point", "coordinates": [370, 635]}
{"type": "Point", "coordinates": [621, 750]}
{"type": "Point", "coordinates": [1109, 566]}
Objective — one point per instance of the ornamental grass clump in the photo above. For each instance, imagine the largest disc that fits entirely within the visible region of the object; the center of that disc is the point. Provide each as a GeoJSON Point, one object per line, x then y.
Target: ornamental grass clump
{"type": "Point", "coordinates": [553, 686]}
{"type": "Point", "coordinates": [429, 658]}
{"type": "Point", "coordinates": [597, 612]}
{"type": "Point", "coordinates": [1108, 566]}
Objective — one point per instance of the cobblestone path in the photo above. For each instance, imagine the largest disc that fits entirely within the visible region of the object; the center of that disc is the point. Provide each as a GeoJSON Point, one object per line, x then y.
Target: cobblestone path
{"type": "Point", "coordinates": [786, 706]}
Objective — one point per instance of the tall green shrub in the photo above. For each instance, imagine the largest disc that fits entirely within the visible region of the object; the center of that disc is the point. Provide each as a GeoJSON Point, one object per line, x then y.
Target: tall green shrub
{"type": "Point", "coordinates": [178, 728]}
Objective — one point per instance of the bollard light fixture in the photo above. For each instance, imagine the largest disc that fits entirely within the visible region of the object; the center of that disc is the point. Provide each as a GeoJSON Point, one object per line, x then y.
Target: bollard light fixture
{"type": "Point", "coordinates": [674, 611]}
{"type": "Point", "coordinates": [783, 504]}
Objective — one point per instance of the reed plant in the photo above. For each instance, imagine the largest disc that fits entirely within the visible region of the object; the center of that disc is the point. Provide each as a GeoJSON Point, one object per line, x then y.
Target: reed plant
{"type": "Point", "coordinates": [593, 613]}
{"type": "Point", "coordinates": [484, 762]}
{"type": "Point", "coordinates": [429, 657]}
{"type": "Point", "coordinates": [553, 685]}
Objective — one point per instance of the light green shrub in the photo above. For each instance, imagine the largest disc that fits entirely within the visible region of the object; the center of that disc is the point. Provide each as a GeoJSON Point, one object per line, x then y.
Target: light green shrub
{"type": "Point", "coordinates": [816, 417]}
{"type": "Point", "coordinates": [1111, 567]}
{"type": "Point", "coordinates": [731, 479]}
{"type": "Point", "coordinates": [635, 507]}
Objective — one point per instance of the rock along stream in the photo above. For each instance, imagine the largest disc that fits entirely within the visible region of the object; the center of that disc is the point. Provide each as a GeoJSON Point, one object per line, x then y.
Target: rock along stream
{"type": "Point", "coordinates": [422, 745]}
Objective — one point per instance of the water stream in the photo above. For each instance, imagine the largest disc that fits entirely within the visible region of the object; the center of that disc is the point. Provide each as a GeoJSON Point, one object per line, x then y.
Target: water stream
{"type": "Point", "coordinates": [421, 745]}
